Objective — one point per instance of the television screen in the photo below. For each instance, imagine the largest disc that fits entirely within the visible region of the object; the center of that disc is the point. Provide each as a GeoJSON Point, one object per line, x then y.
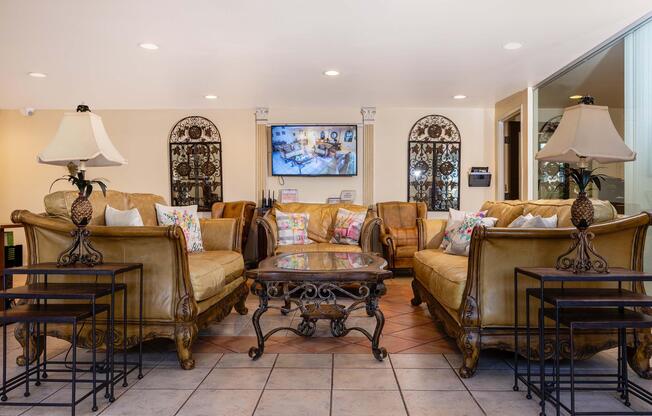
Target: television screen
{"type": "Point", "coordinates": [312, 150]}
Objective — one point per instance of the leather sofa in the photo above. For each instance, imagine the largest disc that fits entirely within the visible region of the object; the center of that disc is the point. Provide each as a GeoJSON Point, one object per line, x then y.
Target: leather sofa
{"type": "Point", "coordinates": [320, 229]}
{"type": "Point", "coordinates": [243, 210]}
{"type": "Point", "coordinates": [398, 232]}
{"type": "Point", "coordinates": [474, 297]}
{"type": "Point", "coordinates": [183, 291]}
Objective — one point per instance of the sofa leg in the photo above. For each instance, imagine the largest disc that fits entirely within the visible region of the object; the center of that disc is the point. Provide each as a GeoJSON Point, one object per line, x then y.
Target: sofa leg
{"type": "Point", "coordinates": [240, 307]}
{"type": "Point", "coordinates": [639, 357]}
{"type": "Point", "coordinates": [416, 300]}
{"type": "Point", "coordinates": [19, 333]}
{"type": "Point", "coordinates": [184, 336]}
{"type": "Point", "coordinates": [469, 343]}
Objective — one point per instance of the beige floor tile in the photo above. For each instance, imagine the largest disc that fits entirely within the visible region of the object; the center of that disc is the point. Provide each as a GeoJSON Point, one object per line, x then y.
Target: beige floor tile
{"type": "Point", "coordinates": [294, 403]}
{"type": "Point", "coordinates": [449, 403]}
{"type": "Point", "coordinates": [365, 403]}
{"type": "Point", "coordinates": [419, 361]}
{"type": "Point", "coordinates": [359, 361]}
{"type": "Point", "coordinates": [236, 379]}
{"type": "Point", "coordinates": [428, 379]}
{"type": "Point", "coordinates": [299, 379]}
{"type": "Point", "coordinates": [244, 361]}
{"type": "Point", "coordinates": [595, 402]}
{"type": "Point", "coordinates": [506, 403]}
{"type": "Point", "coordinates": [148, 403]}
{"type": "Point", "coordinates": [202, 360]}
{"type": "Point", "coordinates": [221, 403]}
{"type": "Point", "coordinates": [172, 378]}
{"type": "Point", "coordinates": [364, 379]}
{"type": "Point", "coordinates": [494, 380]}
{"type": "Point", "coordinates": [64, 395]}
{"type": "Point", "coordinates": [304, 361]}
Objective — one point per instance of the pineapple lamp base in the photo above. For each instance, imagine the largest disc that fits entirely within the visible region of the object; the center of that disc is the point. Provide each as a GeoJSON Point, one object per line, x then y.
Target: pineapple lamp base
{"type": "Point", "coordinates": [81, 250]}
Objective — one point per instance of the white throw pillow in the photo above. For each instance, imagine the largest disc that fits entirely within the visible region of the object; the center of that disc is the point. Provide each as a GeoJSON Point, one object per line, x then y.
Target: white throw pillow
{"type": "Point", "coordinates": [118, 218]}
{"type": "Point", "coordinates": [455, 219]}
{"type": "Point", "coordinates": [187, 219]}
{"type": "Point", "coordinates": [534, 221]}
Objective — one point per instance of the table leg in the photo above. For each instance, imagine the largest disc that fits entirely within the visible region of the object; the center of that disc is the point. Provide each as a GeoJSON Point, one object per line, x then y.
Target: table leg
{"type": "Point", "coordinates": [4, 361]}
{"type": "Point", "coordinates": [380, 353]}
{"type": "Point", "coordinates": [260, 290]}
{"type": "Point", "coordinates": [124, 338]}
{"type": "Point", "coordinates": [542, 360]}
{"type": "Point", "coordinates": [515, 387]}
{"type": "Point", "coordinates": [528, 346]}
{"type": "Point", "coordinates": [94, 355]}
{"type": "Point", "coordinates": [140, 327]}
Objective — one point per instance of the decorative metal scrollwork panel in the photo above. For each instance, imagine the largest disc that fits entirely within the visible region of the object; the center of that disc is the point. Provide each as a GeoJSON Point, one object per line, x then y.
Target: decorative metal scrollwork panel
{"type": "Point", "coordinates": [553, 183]}
{"type": "Point", "coordinates": [434, 155]}
{"type": "Point", "coordinates": [195, 163]}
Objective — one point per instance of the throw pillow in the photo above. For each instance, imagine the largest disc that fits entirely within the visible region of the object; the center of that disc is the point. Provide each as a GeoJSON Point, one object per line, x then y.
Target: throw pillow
{"type": "Point", "coordinates": [534, 221]}
{"type": "Point", "coordinates": [460, 238]}
{"type": "Point", "coordinates": [118, 218]}
{"type": "Point", "coordinates": [455, 219]}
{"type": "Point", "coordinates": [519, 221]}
{"type": "Point", "coordinates": [187, 219]}
{"type": "Point", "coordinates": [292, 228]}
{"type": "Point", "coordinates": [348, 226]}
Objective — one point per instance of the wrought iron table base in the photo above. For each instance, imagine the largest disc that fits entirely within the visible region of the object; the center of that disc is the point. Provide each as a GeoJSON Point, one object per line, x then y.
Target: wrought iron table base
{"type": "Point", "coordinates": [318, 301]}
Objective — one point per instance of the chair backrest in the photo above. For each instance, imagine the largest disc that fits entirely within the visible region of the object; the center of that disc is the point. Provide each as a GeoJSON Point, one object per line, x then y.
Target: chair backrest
{"type": "Point", "coordinates": [58, 204]}
{"type": "Point", "coordinates": [400, 220]}
{"type": "Point", "coordinates": [244, 210]}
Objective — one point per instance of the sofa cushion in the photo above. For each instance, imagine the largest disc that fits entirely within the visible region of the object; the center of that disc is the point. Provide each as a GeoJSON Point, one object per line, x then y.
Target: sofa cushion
{"type": "Point", "coordinates": [443, 275]}
{"type": "Point", "coordinates": [231, 261]}
{"type": "Point", "coordinates": [406, 251]}
{"type": "Point", "coordinates": [300, 248]}
{"type": "Point", "coordinates": [322, 217]}
{"type": "Point", "coordinates": [505, 211]}
{"type": "Point", "coordinates": [207, 275]}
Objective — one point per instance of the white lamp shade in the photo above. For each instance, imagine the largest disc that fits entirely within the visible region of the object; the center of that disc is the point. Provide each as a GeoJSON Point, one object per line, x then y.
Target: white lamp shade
{"type": "Point", "coordinates": [81, 137]}
{"type": "Point", "coordinates": [586, 131]}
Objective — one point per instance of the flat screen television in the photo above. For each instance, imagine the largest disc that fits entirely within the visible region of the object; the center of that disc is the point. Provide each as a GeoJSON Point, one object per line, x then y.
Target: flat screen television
{"type": "Point", "coordinates": [314, 150]}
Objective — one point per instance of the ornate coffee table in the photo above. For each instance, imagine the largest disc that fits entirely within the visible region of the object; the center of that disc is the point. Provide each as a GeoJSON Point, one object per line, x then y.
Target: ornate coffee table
{"type": "Point", "coordinates": [312, 283]}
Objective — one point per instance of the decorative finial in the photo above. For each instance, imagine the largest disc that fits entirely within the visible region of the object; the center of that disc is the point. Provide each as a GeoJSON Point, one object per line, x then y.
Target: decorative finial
{"type": "Point", "coordinates": [83, 108]}
{"type": "Point", "coordinates": [587, 99]}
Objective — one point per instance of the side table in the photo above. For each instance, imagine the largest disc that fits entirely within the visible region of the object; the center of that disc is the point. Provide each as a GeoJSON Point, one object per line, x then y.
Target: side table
{"type": "Point", "coordinates": [580, 308]}
{"type": "Point", "coordinates": [42, 291]}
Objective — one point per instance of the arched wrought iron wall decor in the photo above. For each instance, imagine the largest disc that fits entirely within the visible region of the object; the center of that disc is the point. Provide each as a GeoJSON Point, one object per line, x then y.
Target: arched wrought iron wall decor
{"type": "Point", "coordinates": [195, 163]}
{"type": "Point", "coordinates": [434, 154]}
{"type": "Point", "coordinates": [553, 183]}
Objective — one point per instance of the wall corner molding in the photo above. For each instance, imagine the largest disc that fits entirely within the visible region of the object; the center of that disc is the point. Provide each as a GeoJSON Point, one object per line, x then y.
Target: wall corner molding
{"type": "Point", "coordinates": [368, 115]}
{"type": "Point", "coordinates": [262, 114]}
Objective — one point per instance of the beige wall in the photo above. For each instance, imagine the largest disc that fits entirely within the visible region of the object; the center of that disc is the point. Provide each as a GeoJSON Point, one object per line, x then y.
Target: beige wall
{"type": "Point", "coordinates": [503, 109]}
{"type": "Point", "coordinates": [141, 136]}
{"type": "Point", "coordinates": [391, 136]}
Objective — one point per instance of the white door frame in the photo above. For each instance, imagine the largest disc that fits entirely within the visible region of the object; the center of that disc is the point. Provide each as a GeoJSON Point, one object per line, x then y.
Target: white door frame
{"type": "Point", "coordinates": [500, 152]}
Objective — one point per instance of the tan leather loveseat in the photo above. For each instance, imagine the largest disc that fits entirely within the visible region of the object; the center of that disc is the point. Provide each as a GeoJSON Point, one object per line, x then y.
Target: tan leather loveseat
{"type": "Point", "coordinates": [320, 229]}
{"type": "Point", "coordinates": [182, 292]}
{"type": "Point", "coordinates": [474, 296]}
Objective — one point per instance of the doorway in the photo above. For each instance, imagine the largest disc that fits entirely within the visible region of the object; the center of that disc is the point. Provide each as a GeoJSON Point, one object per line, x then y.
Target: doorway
{"type": "Point", "coordinates": [511, 156]}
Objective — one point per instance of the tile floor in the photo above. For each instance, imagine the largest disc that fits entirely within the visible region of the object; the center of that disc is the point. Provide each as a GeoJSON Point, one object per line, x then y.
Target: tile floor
{"type": "Point", "coordinates": [318, 376]}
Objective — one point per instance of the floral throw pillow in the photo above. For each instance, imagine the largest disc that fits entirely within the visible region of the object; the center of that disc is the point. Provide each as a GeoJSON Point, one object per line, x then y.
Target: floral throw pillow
{"type": "Point", "coordinates": [292, 228]}
{"type": "Point", "coordinates": [348, 226]}
{"type": "Point", "coordinates": [460, 238]}
{"type": "Point", "coordinates": [455, 219]}
{"type": "Point", "coordinates": [187, 219]}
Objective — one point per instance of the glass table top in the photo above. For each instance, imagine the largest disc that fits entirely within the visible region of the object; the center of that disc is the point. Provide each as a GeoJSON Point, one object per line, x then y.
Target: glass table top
{"type": "Point", "coordinates": [323, 261]}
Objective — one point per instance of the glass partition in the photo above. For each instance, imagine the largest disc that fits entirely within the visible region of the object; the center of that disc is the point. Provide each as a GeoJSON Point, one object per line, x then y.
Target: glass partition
{"type": "Point", "coordinates": [618, 76]}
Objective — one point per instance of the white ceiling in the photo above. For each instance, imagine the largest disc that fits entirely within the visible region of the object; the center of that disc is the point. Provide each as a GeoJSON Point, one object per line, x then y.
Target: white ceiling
{"type": "Point", "coordinates": [402, 53]}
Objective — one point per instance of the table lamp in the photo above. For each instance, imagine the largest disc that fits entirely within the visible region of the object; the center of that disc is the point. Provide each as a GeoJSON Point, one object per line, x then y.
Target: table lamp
{"type": "Point", "coordinates": [81, 142]}
{"type": "Point", "coordinates": [585, 133]}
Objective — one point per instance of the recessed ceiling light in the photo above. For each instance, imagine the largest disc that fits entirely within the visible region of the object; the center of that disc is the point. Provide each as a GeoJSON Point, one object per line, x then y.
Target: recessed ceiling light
{"type": "Point", "coordinates": [210, 97]}
{"type": "Point", "coordinates": [575, 97]}
{"type": "Point", "coordinates": [148, 46]}
{"type": "Point", "coordinates": [459, 96]}
{"type": "Point", "coordinates": [510, 46]}
{"type": "Point", "coordinates": [37, 74]}
{"type": "Point", "coordinates": [331, 73]}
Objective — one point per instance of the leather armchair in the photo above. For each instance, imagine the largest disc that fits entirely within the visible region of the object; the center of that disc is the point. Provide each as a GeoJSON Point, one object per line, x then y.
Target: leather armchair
{"type": "Point", "coordinates": [243, 210]}
{"type": "Point", "coordinates": [398, 232]}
